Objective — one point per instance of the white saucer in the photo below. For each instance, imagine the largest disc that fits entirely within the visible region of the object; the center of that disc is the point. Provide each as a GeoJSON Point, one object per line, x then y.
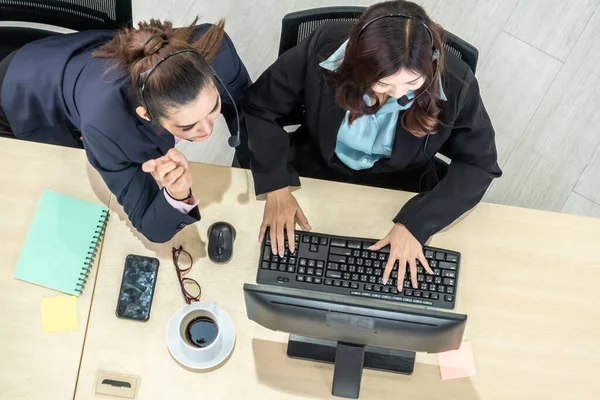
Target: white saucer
{"type": "Point", "coordinates": [191, 358]}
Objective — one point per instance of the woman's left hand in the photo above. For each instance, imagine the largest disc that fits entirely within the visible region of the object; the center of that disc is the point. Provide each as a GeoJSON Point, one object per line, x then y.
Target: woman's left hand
{"type": "Point", "coordinates": [404, 248]}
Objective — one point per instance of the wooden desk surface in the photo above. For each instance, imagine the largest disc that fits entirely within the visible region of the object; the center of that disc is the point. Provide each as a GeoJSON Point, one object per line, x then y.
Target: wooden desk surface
{"type": "Point", "coordinates": [528, 282]}
{"type": "Point", "coordinates": [30, 359]}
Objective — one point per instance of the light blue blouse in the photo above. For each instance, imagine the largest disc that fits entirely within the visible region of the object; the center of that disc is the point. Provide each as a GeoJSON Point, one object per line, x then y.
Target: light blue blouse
{"type": "Point", "coordinates": [370, 137]}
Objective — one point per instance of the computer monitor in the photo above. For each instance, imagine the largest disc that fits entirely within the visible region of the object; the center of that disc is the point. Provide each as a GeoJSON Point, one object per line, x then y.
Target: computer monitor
{"type": "Point", "coordinates": [352, 332]}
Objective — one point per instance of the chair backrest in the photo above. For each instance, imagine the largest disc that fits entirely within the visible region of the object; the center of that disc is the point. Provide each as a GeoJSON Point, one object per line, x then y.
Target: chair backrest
{"type": "Point", "coordinates": [77, 15]}
{"type": "Point", "coordinates": [297, 26]}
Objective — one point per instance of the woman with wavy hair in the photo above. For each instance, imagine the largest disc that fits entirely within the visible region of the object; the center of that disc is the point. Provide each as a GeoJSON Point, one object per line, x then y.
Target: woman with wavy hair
{"type": "Point", "coordinates": [380, 99]}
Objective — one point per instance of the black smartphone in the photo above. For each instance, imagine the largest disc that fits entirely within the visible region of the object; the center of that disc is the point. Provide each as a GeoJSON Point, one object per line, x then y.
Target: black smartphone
{"type": "Point", "coordinates": [137, 287]}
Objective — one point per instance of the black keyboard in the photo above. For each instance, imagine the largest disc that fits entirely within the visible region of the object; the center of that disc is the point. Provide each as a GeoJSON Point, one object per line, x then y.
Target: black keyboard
{"type": "Point", "coordinates": [343, 265]}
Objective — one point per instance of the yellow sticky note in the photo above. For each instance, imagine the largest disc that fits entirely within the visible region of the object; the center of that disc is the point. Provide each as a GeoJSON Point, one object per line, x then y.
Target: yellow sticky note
{"type": "Point", "coordinates": [59, 314]}
{"type": "Point", "coordinates": [457, 363]}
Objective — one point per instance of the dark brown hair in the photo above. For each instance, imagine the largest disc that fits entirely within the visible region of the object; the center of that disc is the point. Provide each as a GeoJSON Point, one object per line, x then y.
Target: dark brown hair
{"type": "Point", "coordinates": [179, 79]}
{"type": "Point", "coordinates": [385, 47]}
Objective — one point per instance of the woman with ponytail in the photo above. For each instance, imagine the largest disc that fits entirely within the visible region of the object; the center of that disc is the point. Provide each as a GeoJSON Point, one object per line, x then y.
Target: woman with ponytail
{"type": "Point", "coordinates": [127, 98]}
{"type": "Point", "coordinates": [380, 98]}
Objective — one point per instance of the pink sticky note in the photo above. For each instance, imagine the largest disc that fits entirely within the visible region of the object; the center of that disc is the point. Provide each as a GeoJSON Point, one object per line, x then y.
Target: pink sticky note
{"type": "Point", "coordinates": [457, 363]}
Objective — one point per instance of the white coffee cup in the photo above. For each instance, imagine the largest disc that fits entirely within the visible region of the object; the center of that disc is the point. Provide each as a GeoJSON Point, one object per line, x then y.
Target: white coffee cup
{"type": "Point", "coordinates": [190, 354]}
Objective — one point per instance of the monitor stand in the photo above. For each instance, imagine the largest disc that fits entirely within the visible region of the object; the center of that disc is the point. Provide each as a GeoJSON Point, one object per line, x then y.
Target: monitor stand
{"type": "Point", "coordinates": [349, 360]}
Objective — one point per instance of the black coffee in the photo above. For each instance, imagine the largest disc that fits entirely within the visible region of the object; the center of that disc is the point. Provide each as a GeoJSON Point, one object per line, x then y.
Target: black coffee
{"type": "Point", "coordinates": [202, 332]}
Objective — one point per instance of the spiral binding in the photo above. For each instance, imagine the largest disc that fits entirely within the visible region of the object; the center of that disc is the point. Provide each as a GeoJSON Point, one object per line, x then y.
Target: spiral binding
{"type": "Point", "coordinates": [91, 254]}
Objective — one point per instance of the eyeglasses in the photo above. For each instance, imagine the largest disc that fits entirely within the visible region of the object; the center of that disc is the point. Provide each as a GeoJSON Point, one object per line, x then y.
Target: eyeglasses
{"type": "Point", "coordinates": [183, 264]}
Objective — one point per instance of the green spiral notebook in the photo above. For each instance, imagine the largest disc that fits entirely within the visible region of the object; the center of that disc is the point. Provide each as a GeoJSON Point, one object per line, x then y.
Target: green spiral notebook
{"type": "Point", "coordinates": [62, 242]}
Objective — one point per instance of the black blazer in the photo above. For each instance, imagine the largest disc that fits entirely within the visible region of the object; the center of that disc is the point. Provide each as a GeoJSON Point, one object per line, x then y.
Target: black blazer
{"type": "Point", "coordinates": [56, 92]}
{"type": "Point", "coordinates": [465, 136]}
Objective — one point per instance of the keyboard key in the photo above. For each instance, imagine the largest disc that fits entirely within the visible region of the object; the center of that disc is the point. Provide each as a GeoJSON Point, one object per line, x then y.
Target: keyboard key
{"type": "Point", "coordinates": [369, 271]}
{"type": "Point", "coordinates": [359, 261]}
{"type": "Point", "coordinates": [450, 289]}
{"type": "Point", "coordinates": [394, 274]}
{"type": "Point", "coordinates": [284, 260]}
{"type": "Point", "coordinates": [429, 254]}
{"type": "Point", "coordinates": [352, 268]}
{"type": "Point", "coordinates": [273, 267]}
{"type": "Point", "coordinates": [356, 293]}
{"type": "Point", "coordinates": [417, 293]}
{"type": "Point", "coordinates": [364, 254]}
{"type": "Point", "coordinates": [354, 244]}
{"type": "Point", "coordinates": [373, 256]}
{"type": "Point", "coordinates": [355, 277]}
{"type": "Point", "coordinates": [338, 242]}
{"type": "Point", "coordinates": [319, 272]}
{"type": "Point", "coordinates": [394, 290]}
{"type": "Point", "coordinates": [300, 278]}
{"type": "Point", "coordinates": [323, 241]}
{"type": "Point", "coordinates": [420, 278]}
{"type": "Point", "coordinates": [385, 250]}
{"type": "Point", "coordinates": [368, 263]}
{"type": "Point", "coordinates": [367, 244]}
{"type": "Point", "coordinates": [355, 253]}
{"type": "Point", "coordinates": [449, 282]}
{"type": "Point", "coordinates": [386, 296]}
{"type": "Point", "coordinates": [344, 268]}
{"type": "Point", "coordinates": [448, 274]}
{"type": "Point", "coordinates": [314, 248]}
{"type": "Point", "coordinates": [268, 237]}
{"type": "Point", "coordinates": [437, 272]}
{"type": "Point", "coordinates": [378, 272]}
{"type": "Point", "coordinates": [282, 279]}
{"type": "Point", "coordinates": [267, 253]}
{"type": "Point", "coordinates": [314, 240]}
{"type": "Point", "coordinates": [282, 267]}
{"type": "Point", "coordinates": [424, 286]}
{"type": "Point", "coordinates": [441, 289]}
{"type": "Point", "coordinates": [428, 278]}
{"type": "Point", "coordinates": [333, 266]}
{"type": "Point", "coordinates": [440, 256]}
{"type": "Point", "coordinates": [420, 269]}
{"type": "Point", "coordinates": [308, 279]}
{"type": "Point", "coordinates": [449, 298]}
{"type": "Point", "coordinates": [375, 295]}
{"type": "Point", "coordinates": [333, 274]}
{"type": "Point", "coordinates": [364, 278]}
{"type": "Point", "coordinates": [303, 262]}
{"type": "Point", "coordinates": [377, 264]}
{"type": "Point", "coordinates": [342, 251]}
{"type": "Point", "coordinates": [366, 294]}
{"type": "Point", "coordinates": [337, 283]}
{"type": "Point", "coordinates": [432, 287]}
{"type": "Point", "coordinates": [311, 263]}
{"type": "Point", "coordinates": [408, 292]}
{"type": "Point", "coordinates": [351, 260]}
{"type": "Point", "coordinates": [407, 300]}
{"type": "Point", "coordinates": [292, 260]}
{"type": "Point", "coordinates": [346, 284]}
{"type": "Point", "coordinates": [417, 301]}
{"type": "Point", "coordinates": [407, 283]}
{"type": "Point", "coordinates": [274, 258]}
{"type": "Point", "coordinates": [291, 269]}
{"type": "Point", "coordinates": [447, 265]}
{"type": "Point", "coordinates": [426, 295]}
{"type": "Point", "coordinates": [297, 236]}
{"type": "Point", "coordinates": [264, 265]}
{"type": "Point", "coordinates": [433, 264]}
{"type": "Point", "coordinates": [453, 258]}
{"type": "Point", "coordinates": [302, 270]}
{"type": "Point", "coordinates": [382, 257]}
{"type": "Point", "coordinates": [336, 258]}
{"type": "Point", "coordinates": [372, 279]}
{"type": "Point", "coordinates": [310, 271]}
{"type": "Point", "coordinates": [386, 289]}
{"type": "Point", "coordinates": [427, 303]}
{"type": "Point", "coordinates": [435, 296]}
{"type": "Point", "coordinates": [360, 270]}
{"type": "Point", "coordinates": [328, 282]}
{"type": "Point", "coordinates": [346, 276]}
{"type": "Point", "coordinates": [354, 285]}
{"type": "Point", "coordinates": [377, 288]}
{"type": "Point", "coordinates": [437, 280]}
{"type": "Point", "coordinates": [368, 287]}
{"type": "Point", "coordinates": [317, 280]}
{"type": "Point", "coordinates": [320, 264]}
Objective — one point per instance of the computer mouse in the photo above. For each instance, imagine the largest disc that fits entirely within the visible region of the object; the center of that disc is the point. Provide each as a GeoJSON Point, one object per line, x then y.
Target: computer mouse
{"type": "Point", "coordinates": [221, 236]}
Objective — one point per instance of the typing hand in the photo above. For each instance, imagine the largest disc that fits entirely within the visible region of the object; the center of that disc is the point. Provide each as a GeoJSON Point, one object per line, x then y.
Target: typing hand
{"type": "Point", "coordinates": [403, 248]}
{"type": "Point", "coordinates": [172, 172]}
{"type": "Point", "coordinates": [281, 212]}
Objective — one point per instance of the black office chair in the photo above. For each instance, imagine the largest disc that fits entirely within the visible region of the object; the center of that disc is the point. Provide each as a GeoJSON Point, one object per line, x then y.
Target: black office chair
{"type": "Point", "coordinates": [296, 26]}
{"type": "Point", "coordinates": [78, 15]}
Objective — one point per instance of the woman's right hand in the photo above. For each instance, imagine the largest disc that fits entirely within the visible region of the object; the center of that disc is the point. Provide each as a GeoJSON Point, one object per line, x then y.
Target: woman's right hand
{"type": "Point", "coordinates": [172, 172]}
{"type": "Point", "coordinates": [281, 212]}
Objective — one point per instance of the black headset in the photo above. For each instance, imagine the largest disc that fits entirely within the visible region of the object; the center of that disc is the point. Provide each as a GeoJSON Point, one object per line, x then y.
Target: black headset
{"type": "Point", "coordinates": [233, 141]}
{"type": "Point", "coordinates": [404, 100]}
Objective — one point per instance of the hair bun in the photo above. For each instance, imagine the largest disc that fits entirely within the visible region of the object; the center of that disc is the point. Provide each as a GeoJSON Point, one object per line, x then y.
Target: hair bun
{"type": "Point", "coordinates": [154, 43]}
